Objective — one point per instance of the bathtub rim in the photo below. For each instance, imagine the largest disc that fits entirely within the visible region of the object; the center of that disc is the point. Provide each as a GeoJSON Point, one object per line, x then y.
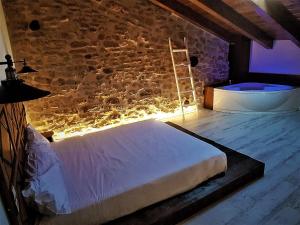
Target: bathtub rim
{"type": "Point", "coordinates": [221, 88]}
{"type": "Point", "coordinates": [255, 94]}
{"type": "Point", "coordinates": [258, 112]}
{"type": "Point", "coordinates": [256, 91]}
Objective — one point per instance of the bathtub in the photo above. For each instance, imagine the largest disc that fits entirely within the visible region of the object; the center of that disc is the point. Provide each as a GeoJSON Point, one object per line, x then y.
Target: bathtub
{"type": "Point", "coordinates": [256, 97]}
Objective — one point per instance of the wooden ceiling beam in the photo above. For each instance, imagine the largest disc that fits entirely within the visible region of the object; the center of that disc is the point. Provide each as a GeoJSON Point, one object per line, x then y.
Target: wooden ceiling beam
{"type": "Point", "coordinates": [195, 18]}
{"type": "Point", "coordinates": [221, 11]}
{"type": "Point", "coordinates": [276, 10]}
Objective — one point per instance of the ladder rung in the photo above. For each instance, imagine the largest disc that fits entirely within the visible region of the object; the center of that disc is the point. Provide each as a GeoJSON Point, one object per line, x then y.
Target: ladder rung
{"type": "Point", "coordinates": [182, 64]}
{"type": "Point", "coordinates": [183, 78]}
{"type": "Point", "coordinates": [190, 104]}
{"type": "Point", "coordinates": [182, 92]}
{"type": "Point", "coordinates": [180, 50]}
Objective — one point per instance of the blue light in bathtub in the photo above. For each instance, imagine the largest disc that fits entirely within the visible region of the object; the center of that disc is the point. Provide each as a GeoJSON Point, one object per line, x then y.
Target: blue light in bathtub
{"type": "Point", "coordinates": [257, 87]}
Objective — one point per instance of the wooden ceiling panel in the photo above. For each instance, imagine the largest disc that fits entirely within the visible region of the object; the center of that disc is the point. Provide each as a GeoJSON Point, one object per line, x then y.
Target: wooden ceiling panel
{"type": "Point", "coordinates": [283, 16]}
{"type": "Point", "coordinates": [189, 14]}
{"type": "Point", "coordinates": [249, 9]}
{"type": "Point", "coordinates": [230, 17]}
{"type": "Point", "coordinates": [293, 6]}
{"type": "Point", "coordinates": [208, 16]}
{"type": "Point", "coordinates": [259, 20]}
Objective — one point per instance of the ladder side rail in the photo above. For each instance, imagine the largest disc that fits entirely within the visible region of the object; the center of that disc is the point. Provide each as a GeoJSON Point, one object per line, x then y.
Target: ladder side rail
{"type": "Point", "coordinates": [191, 74]}
{"type": "Point", "coordinates": [176, 77]}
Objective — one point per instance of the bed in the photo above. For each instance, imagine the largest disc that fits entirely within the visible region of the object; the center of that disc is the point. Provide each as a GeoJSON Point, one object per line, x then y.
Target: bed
{"type": "Point", "coordinates": [118, 171]}
{"type": "Point", "coordinates": [123, 170]}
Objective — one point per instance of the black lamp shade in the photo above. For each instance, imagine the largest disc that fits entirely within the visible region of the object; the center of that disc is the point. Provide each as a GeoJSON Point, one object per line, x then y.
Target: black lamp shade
{"type": "Point", "coordinates": [27, 69]}
{"type": "Point", "coordinates": [12, 91]}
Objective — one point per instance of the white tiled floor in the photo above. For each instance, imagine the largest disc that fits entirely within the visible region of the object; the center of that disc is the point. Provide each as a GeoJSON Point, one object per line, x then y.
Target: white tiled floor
{"type": "Point", "coordinates": [271, 138]}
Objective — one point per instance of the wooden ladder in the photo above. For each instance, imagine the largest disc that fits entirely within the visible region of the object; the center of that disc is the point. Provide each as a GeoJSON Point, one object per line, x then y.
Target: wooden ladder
{"type": "Point", "coordinates": [186, 64]}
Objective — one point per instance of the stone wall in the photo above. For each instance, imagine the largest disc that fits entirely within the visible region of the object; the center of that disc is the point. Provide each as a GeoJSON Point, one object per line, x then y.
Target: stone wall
{"type": "Point", "coordinates": [105, 60]}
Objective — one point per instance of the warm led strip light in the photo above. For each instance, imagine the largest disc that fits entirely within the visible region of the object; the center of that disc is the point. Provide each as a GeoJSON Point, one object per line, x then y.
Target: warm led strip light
{"type": "Point", "coordinates": [159, 116]}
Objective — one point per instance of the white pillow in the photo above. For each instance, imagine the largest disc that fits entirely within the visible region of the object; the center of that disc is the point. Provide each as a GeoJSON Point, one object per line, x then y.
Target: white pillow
{"type": "Point", "coordinates": [46, 184]}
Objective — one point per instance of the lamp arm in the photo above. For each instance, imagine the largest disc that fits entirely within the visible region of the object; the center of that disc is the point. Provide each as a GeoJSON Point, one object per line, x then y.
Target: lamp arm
{"type": "Point", "coordinates": [5, 63]}
{"type": "Point", "coordinates": [20, 61]}
{"type": "Point", "coordinates": [11, 71]}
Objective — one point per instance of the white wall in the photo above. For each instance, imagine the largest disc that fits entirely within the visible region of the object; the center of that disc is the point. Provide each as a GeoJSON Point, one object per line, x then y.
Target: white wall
{"type": "Point", "coordinates": [284, 58]}
{"type": "Point", "coordinates": [5, 47]}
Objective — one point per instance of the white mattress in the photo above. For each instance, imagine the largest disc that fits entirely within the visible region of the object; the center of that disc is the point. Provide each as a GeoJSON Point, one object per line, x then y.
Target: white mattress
{"type": "Point", "coordinates": [115, 172]}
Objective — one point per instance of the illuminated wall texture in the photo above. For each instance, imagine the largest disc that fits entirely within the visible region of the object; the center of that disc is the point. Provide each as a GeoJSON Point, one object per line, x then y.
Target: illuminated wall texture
{"type": "Point", "coordinates": [105, 60]}
{"type": "Point", "coordinates": [284, 58]}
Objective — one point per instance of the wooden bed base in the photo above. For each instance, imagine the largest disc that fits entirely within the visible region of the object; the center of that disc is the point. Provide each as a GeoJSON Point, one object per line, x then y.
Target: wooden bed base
{"type": "Point", "coordinates": [241, 170]}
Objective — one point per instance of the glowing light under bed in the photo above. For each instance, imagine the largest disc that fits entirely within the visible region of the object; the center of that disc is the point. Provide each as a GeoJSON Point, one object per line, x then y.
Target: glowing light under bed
{"type": "Point", "coordinates": [163, 116]}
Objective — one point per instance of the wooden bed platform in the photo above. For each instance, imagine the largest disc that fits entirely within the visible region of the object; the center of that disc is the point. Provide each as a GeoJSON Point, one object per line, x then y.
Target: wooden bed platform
{"type": "Point", "coordinates": [241, 170]}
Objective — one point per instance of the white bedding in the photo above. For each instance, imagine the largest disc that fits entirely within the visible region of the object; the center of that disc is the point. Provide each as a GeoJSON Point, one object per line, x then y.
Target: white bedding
{"type": "Point", "coordinates": [115, 172]}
